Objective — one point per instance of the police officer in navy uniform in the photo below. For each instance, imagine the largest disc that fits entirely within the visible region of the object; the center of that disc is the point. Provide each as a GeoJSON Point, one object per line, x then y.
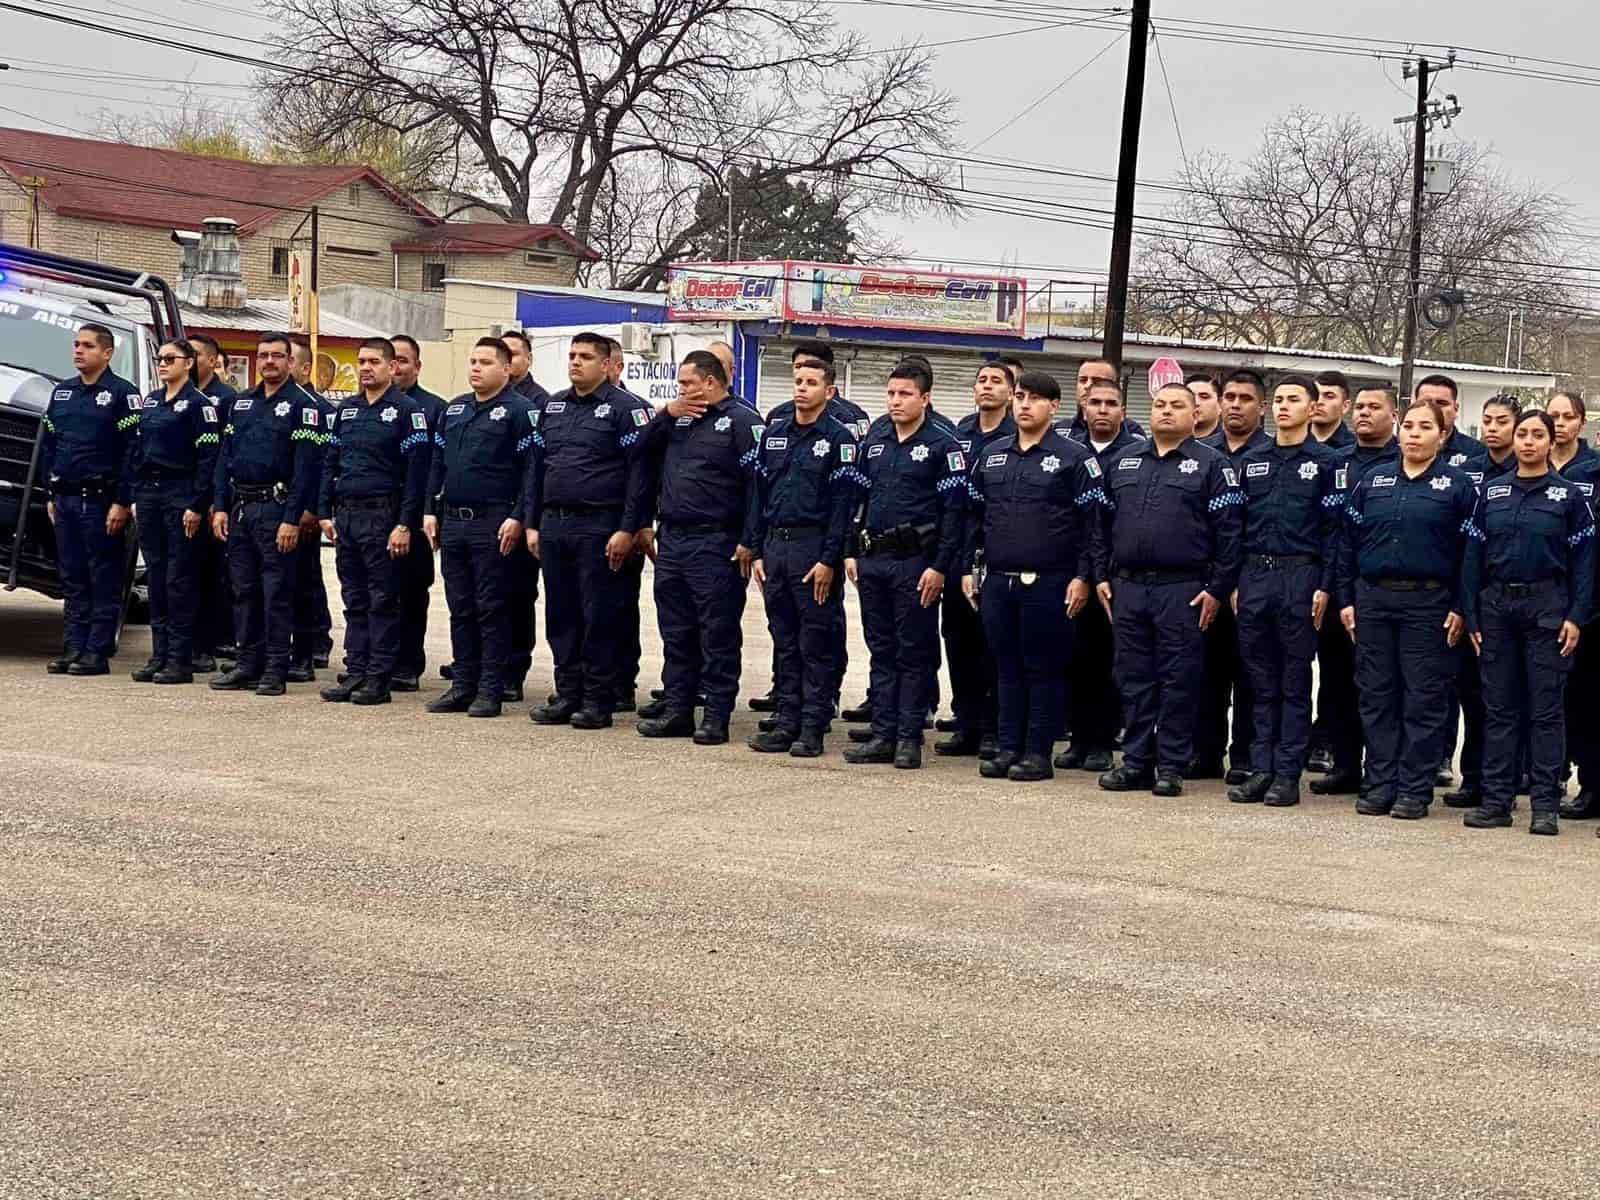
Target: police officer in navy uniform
{"type": "Point", "coordinates": [1328, 411]}
{"type": "Point", "coordinates": [1399, 583]}
{"type": "Point", "coordinates": [1575, 460]}
{"type": "Point", "coordinates": [1037, 496]}
{"type": "Point", "coordinates": [373, 478]}
{"type": "Point", "coordinates": [1373, 416]}
{"type": "Point", "coordinates": [1292, 503]}
{"type": "Point", "coordinates": [705, 460]}
{"type": "Point", "coordinates": [312, 643]}
{"type": "Point", "coordinates": [416, 582]}
{"type": "Point", "coordinates": [808, 483]}
{"type": "Point", "coordinates": [174, 472]}
{"type": "Point", "coordinates": [1528, 585]}
{"type": "Point", "coordinates": [1095, 709]}
{"type": "Point", "coordinates": [1226, 681]}
{"type": "Point", "coordinates": [585, 517]}
{"type": "Point", "coordinates": [90, 434]}
{"type": "Point", "coordinates": [1498, 457]}
{"type": "Point", "coordinates": [479, 477]}
{"type": "Point", "coordinates": [1091, 372]}
{"type": "Point", "coordinates": [908, 542]}
{"type": "Point", "coordinates": [1166, 566]}
{"type": "Point", "coordinates": [974, 695]}
{"type": "Point", "coordinates": [214, 621]}
{"type": "Point", "coordinates": [524, 566]}
{"type": "Point", "coordinates": [1207, 404]}
{"type": "Point", "coordinates": [266, 474]}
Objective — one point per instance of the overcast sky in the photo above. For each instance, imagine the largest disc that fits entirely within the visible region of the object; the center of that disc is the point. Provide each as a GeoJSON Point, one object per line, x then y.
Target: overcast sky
{"type": "Point", "coordinates": [1540, 131]}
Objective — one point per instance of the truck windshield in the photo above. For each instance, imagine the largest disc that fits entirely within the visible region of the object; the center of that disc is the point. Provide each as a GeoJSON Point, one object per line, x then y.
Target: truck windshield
{"type": "Point", "coordinates": [36, 335]}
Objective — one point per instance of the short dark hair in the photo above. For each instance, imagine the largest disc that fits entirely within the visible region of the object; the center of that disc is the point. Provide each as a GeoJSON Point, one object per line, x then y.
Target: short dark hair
{"type": "Point", "coordinates": [1303, 382]}
{"type": "Point", "coordinates": [1443, 381]}
{"type": "Point", "coordinates": [1576, 401]}
{"type": "Point", "coordinates": [1040, 383]}
{"type": "Point", "coordinates": [1199, 377]}
{"type": "Point", "coordinates": [1001, 365]}
{"type": "Point", "coordinates": [813, 364]}
{"type": "Point", "coordinates": [614, 347]}
{"type": "Point", "coordinates": [1533, 414]}
{"type": "Point", "coordinates": [527, 343]}
{"type": "Point", "coordinates": [708, 364]}
{"type": "Point", "coordinates": [820, 351]}
{"type": "Point", "coordinates": [381, 344]}
{"type": "Point", "coordinates": [1247, 375]}
{"type": "Point", "coordinates": [1502, 400]}
{"type": "Point", "coordinates": [1388, 393]}
{"type": "Point", "coordinates": [206, 340]}
{"type": "Point", "coordinates": [106, 339]}
{"type": "Point", "coordinates": [910, 368]}
{"type": "Point", "coordinates": [1431, 405]}
{"type": "Point", "coordinates": [1105, 384]}
{"type": "Point", "coordinates": [407, 339]}
{"type": "Point", "coordinates": [498, 345]}
{"type": "Point", "coordinates": [283, 339]}
{"type": "Point", "coordinates": [1014, 363]}
{"type": "Point", "coordinates": [1332, 379]}
{"type": "Point", "coordinates": [598, 340]}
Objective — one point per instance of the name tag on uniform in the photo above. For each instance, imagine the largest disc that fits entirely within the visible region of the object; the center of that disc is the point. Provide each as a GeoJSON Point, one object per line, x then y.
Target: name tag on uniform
{"type": "Point", "coordinates": [966, 447]}
{"type": "Point", "coordinates": [685, 420]}
{"type": "Point", "coordinates": [1475, 476]}
{"type": "Point", "coordinates": [995, 460]}
{"type": "Point", "coordinates": [347, 414]}
{"type": "Point", "coordinates": [1499, 490]}
{"type": "Point", "coordinates": [1257, 469]}
{"type": "Point", "coordinates": [1130, 464]}
{"type": "Point", "coordinates": [455, 410]}
{"type": "Point", "coordinates": [62, 394]}
{"type": "Point", "coordinates": [244, 405]}
{"type": "Point", "coordinates": [776, 443]}
{"type": "Point", "coordinates": [1379, 481]}
{"type": "Point", "coordinates": [557, 406]}
{"type": "Point", "coordinates": [1586, 488]}
{"type": "Point", "coordinates": [875, 450]}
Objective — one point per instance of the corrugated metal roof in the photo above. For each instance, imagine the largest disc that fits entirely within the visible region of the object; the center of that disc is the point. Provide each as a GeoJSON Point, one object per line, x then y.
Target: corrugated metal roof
{"type": "Point", "coordinates": [265, 316]}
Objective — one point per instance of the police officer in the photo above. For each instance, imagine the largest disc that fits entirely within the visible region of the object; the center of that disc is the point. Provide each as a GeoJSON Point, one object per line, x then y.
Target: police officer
{"type": "Point", "coordinates": [373, 478]}
{"type": "Point", "coordinates": [1328, 411]}
{"type": "Point", "coordinates": [1575, 460]}
{"type": "Point", "coordinates": [481, 472]}
{"type": "Point", "coordinates": [1226, 682]}
{"type": "Point", "coordinates": [1037, 494]}
{"type": "Point", "coordinates": [705, 460]}
{"type": "Point", "coordinates": [90, 434]}
{"type": "Point", "coordinates": [806, 497]}
{"type": "Point", "coordinates": [1095, 708]}
{"type": "Point", "coordinates": [266, 472]}
{"type": "Point", "coordinates": [1373, 417]}
{"type": "Point", "coordinates": [1093, 371]}
{"type": "Point", "coordinates": [213, 631]}
{"type": "Point", "coordinates": [1406, 528]}
{"type": "Point", "coordinates": [973, 682]}
{"type": "Point", "coordinates": [909, 540]}
{"type": "Point", "coordinates": [313, 620]}
{"type": "Point", "coordinates": [1499, 420]}
{"type": "Point", "coordinates": [524, 567]}
{"type": "Point", "coordinates": [1291, 526]}
{"type": "Point", "coordinates": [1528, 585]}
{"type": "Point", "coordinates": [1168, 563]}
{"type": "Point", "coordinates": [1207, 404]}
{"type": "Point", "coordinates": [416, 566]}
{"type": "Point", "coordinates": [174, 471]}
{"type": "Point", "coordinates": [584, 519]}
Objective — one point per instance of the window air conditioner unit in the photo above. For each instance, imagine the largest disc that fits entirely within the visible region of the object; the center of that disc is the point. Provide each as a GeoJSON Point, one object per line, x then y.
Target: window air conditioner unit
{"type": "Point", "coordinates": [636, 338]}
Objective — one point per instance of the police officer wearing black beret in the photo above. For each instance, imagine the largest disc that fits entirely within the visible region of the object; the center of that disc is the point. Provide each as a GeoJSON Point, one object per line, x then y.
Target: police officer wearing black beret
{"type": "Point", "coordinates": [373, 478]}
{"type": "Point", "coordinates": [1167, 564]}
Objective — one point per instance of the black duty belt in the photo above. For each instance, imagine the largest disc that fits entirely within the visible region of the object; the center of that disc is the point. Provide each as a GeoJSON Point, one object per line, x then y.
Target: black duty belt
{"type": "Point", "coordinates": [259, 493]}
{"type": "Point", "coordinates": [1524, 589]}
{"type": "Point", "coordinates": [571, 514]}
{"type": "Point", "coordinates": [1278, 562]}
{"type": "Point", "coordinates": [87, 489]}
{"type": "Point", "coordinates": [387, 500]}
{"type": "Point", "coordinates": [791, 533]}
{"type": "Point", "coordinates": [903, 541]}
{"type": "Point", "coordinates": [1407, 585]}
{"type": "Point", "coordinates": [1157, 575]}
{"type": "Point", "coordinates": [154, 475]}
{"type": "Point", "coordinates": [698, 527]}
{"type": "Point", "coordinates": [475, 512]}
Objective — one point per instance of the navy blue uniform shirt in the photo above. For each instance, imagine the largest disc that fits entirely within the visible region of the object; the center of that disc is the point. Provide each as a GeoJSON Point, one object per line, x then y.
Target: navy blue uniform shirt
{"type": "Point", "coordinates": [1176, 512]}
{"type": "Point", "coordinates": [223, 392]}
{"type": "Point", "coordinates": [432, 406]}
{"type": "Point", "coordinates": [530, 389]}
{"type": "Point", "coordinates": [1218, 441]}
{"type": "Point", "coordinates": [707, 467]}
{"type": "Point", "coordinates": [90, 433]}
{"type": "Point", "coordinates": [1293, 503]}
{"type": "Point", "coordinates": [1340, 440]}
{"type": "Point", "coordinates": [1113, 450]}
{"type": "Point", "coordinates": [806, 475]}
{"type": "Point", "coordinates": [852, 416]}
{"type": "Point", "coordinates": [1402, 528]}
{"type": "Point", "coordinates": [1484, 467]}
{"type": "Point", "coordinates": [483, 453]}
{"type": "Point", "coordinates": [377, 449]}
{"type": "Point", "coordinates": [1037, 508]}
{"type": "Point", "coordinates": [1460, 448]}
{"type": "Point", "coordinates": [182, 436]}
{"type": "Point", "coordinates": [1359, 461]}
{"type": "Point", "coordinates": [1582, 470]}
{"type": "Point", "coordinates": [920, 482]}
{"type": "Point", "coordinates": [1534, 531]}
{"type": "Point", "coordinates": [271, 440]}
{"type": "Point", "coordinates": [1078, 429]}
{"type": "Point", "coordinates": [590, 454]}
{"type": "Point", "coordinates": [974, 441]}
{"type": "Point", "coordinates": [938, 420]}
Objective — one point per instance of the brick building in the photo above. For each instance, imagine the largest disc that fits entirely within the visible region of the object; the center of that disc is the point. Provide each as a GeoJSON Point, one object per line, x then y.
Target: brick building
{"type": "Point", "coordinates": [119, 204]}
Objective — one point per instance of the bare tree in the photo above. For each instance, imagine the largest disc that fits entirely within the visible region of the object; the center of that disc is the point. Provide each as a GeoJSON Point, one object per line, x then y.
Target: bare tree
{"type": "Point", "coordinates": [194, 125]}
{"type": "Point", "coordinates": [1306, 243]}
{"type": "Point", "coordinates": [609, 116]}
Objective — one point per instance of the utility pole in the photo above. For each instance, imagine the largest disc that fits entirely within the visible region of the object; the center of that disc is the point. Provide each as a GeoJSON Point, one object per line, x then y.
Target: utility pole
{"type": "Point", "coordinates": [311, 312]}
{"type": "Point", "coordinates": [1426, 114]}
{"type": "Point", "coordinates": [1127, 176]}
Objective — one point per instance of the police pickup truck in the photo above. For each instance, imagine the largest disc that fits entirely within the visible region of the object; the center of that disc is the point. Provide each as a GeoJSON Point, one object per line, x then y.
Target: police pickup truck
{"type": "Point", "coordinates": [44, 298]}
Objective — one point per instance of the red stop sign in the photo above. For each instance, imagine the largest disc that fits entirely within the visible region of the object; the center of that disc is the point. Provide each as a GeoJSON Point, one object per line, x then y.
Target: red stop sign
{"type": "Point", "coordinates": [1164, 372]}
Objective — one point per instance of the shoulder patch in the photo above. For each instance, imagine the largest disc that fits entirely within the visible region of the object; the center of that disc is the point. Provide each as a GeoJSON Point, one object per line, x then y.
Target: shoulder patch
{"type": "Point", "coordinates": [209, 414]}
{"type": "Point", "coordinates": [1230, 475]}
{"type": "Point", "coordinates": [418, 421]}
{"type": "Point", "coordinates": [308, 416]}
{"type": "Point", "coordinates": [847, 452]}
{"type": "Point", "coordinates": [955, 461]}
{"type": "Point", "coordinates": [641, 418]}
{"type": "Point", "coordinates": [1092, 465]}
{"type": "Point", "coordinates": [1341, 478]}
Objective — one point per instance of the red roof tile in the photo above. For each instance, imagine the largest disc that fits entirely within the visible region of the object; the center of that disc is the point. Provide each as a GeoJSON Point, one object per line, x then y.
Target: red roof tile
{"type": "Point", "coordinates": [489, 237]}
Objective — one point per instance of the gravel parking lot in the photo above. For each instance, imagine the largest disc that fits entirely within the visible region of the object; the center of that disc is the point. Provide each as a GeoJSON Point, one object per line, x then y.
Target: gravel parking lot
{"type": "Point", "coordinates": [256, 947]}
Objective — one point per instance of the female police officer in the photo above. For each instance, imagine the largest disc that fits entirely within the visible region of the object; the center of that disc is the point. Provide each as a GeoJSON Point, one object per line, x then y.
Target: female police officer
{"type": "Point", "coordinates": [1527, 587]}
{"type": "Point", "coordinates": [1575, 460]}
{"type": "Point", "coordinates": [173, 464]}
{"type": "Point", "coordinates": [1406, 528]}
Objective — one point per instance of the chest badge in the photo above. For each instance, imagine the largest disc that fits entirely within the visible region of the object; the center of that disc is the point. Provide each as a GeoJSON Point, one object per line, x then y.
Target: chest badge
{"type": "Point", "coordinates": [1555, 493]}
{"type": "Point", "coordinates": [1050, 465]}
{"type": "Point", "coordinates": [821, 447]}
{"type": "Point", "coordinates": [389, 414]}
{"type": "Point", "coordinates": [723, 424]}
{"type": "Point", "coordinates": [182, 406]}
{"type": "Point", "coordinates": [497, 413]}
{"type": "Point", "coordinates": [602, 411]}
{"type": "Point", "coordinates": [919, 454]}
{"type": "Point", "coordinates": [283, 408]}
{"type": "Point", "coordinates": [103, 400]}
{"type": "Point", "coordinates": [1441, 483]}
{"type": "Point", "coordinates": [1188, 466]}
{"type": "Point", "coordinates": [1308, 470]}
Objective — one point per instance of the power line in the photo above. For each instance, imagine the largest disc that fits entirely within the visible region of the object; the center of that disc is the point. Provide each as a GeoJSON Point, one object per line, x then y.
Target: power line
{"type": "Point", "coordinates": [1007, 124]}
{"type": "Point", "coordinates": [1172, 105]}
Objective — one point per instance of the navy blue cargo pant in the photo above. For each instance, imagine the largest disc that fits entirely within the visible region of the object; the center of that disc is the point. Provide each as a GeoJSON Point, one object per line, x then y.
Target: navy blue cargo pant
{"type": "Point", "coordinates": [629, 648]}
{"type": "Point", "coordinates": [174, 566]}
{"type": "Point", "coordinates": [313, 622]}
{"type": "Point", "coordinates": [524, 595]}
{"type": "Point", "coordinates": [1160, 652]}
{"type": "Point", "coordinates": [214, 619]}
{"type": "Point", "coordinates": [804, 633]}
{"type": "Point", "coordinates": [1094, 707]}
{"type": "Point", "coordinates": [370, 583]}
{"type": "Point", "coordinates": [973, 681]}
{"type": "Point", "coordinates": [903, 642]}
{"type": "Point", "coordinates": [1338, 711]}
{"type": "Point", "coordinates": [700, 599]}
{"type": "Point", "coordinates": [1403, 668]}
{"type": "Point", "coordinates": [416, 586]}
{"type": "Point", "coordinates": [477, 587]}
{"type": "Point", "coordinates": [1226, 683]}
{"type": "Point", "coordinates": [1278, 644]}
{"type": "Point", "coordinates": [583, 605]}
{"type": "Point", "coordinates": [1583, 684]}
{"type": "Point", "coordinates": [1028, 632]}
{"type": "Point", "coordinates": [263, 588]}
{"type": "Point", "coordinates": [1465, 718]}
{"type": "Point", "coordinates": [93, 564]}
{"type": "Point", "coordinates": [1524, 691]}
